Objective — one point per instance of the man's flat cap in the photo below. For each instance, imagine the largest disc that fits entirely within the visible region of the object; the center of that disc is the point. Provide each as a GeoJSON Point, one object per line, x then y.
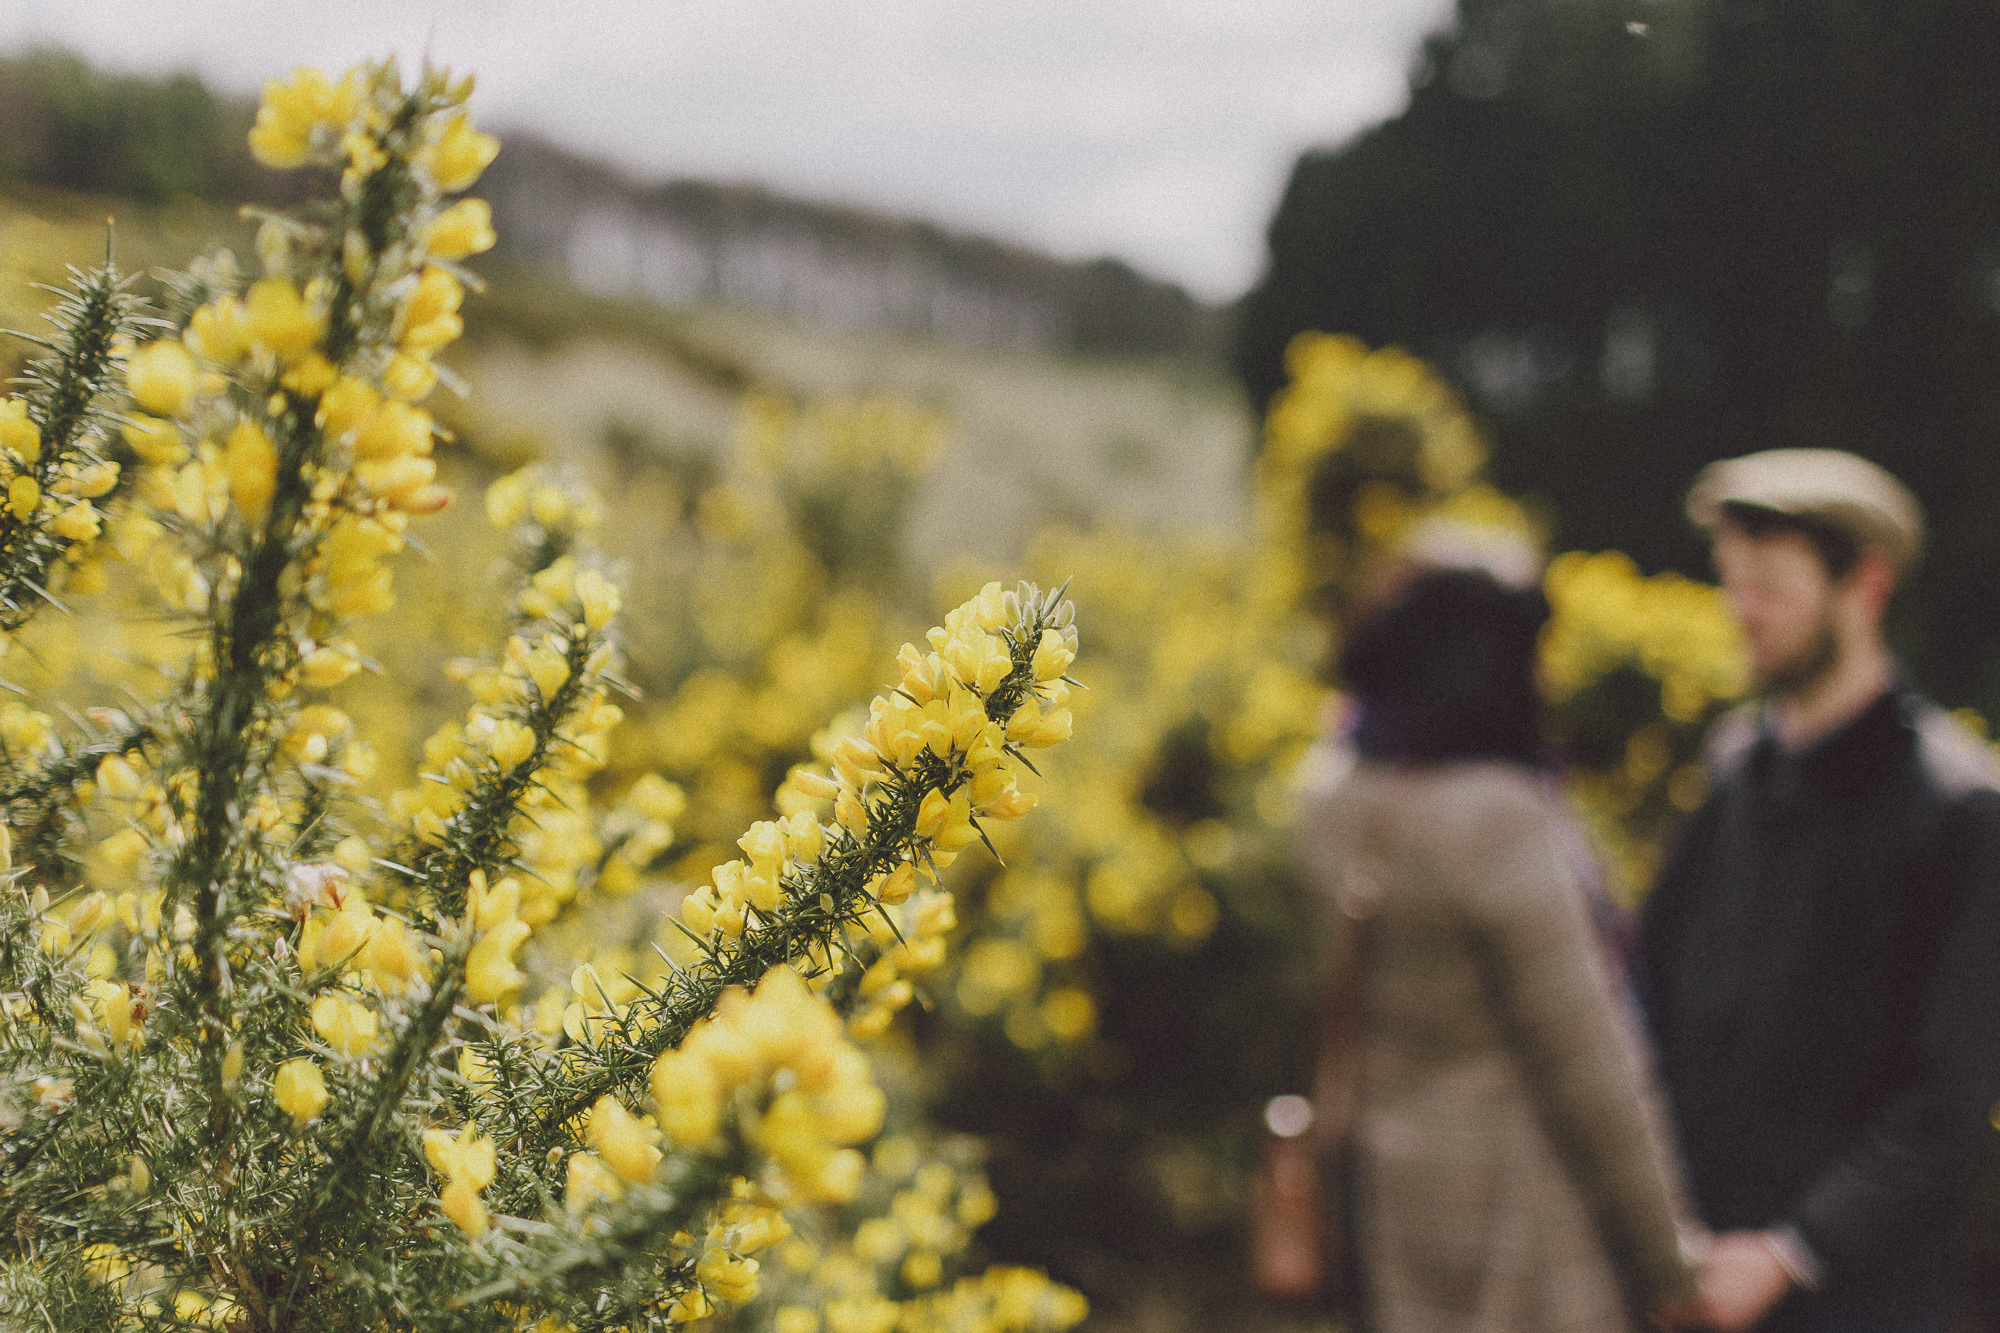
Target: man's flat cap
{"type": "Point", "coordinates": [1838, 490]}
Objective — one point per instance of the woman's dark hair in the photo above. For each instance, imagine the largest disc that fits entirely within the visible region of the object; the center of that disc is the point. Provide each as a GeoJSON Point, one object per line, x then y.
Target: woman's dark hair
{"type": "Point", "coordinates": [1447, 671]}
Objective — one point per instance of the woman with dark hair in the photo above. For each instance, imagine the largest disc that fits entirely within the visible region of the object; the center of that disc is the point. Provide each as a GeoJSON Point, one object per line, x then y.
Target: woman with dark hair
{"type": "Point", "coordinates": [1509, 1170]}
{"type": "Point", "coordinates": [1445, 671]}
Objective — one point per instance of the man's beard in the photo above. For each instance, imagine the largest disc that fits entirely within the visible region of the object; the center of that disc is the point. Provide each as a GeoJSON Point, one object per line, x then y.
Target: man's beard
{"type": "Point", "coordinates": [1809, 666]}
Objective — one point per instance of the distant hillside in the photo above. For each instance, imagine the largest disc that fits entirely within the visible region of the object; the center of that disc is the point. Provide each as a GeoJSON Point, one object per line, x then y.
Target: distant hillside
{"type": "Point", "coordinates": [680, 244]}
{"type": "Point", "coordinates": [691, 242]}
{"type": "Point", "coordinates": [1146, 442]}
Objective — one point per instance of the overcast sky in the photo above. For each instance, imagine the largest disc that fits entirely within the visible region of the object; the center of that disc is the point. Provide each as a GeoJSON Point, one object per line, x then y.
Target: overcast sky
{"type": "Point", "coordinates": [1159, 131]}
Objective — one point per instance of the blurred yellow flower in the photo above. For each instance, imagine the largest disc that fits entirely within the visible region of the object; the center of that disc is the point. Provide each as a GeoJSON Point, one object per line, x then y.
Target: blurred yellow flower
{"type": "Point", "coordinates": [155, 441]}
{"type": "Point", "coordinates": [161, 376]}
{"type": "Point", "coordinates": [282, 136]}
{"type": "Point", "coordinates": [280, 320]}
{"type": "Point", "coordinates": [466, 228]}
{"type": "Point", "coordinates": [348, 1026]}
{"type": "Point", "coordinates": [299, 1090]}
{"type": "Point", "coordinates": [460, 154]}
{"type": "Point", "coordinates": [220, 330]}
{"type": "Point", "coordinates": [430, 317]}
{"type": "Point", "coordinates": [19, 435]}
{"type": "Point", "coordinates": [77, 522]}
{"type": "Point", "coordinates": [589, 1180]}
{"type": "Point", "coordinates": [23, 496]}
{"type": "Point", "coordinates": [251, 464]}
{"type": "Point", "coordinates": [727, 1276]}
{"type": "Point", "coordinates": [626, 1146]}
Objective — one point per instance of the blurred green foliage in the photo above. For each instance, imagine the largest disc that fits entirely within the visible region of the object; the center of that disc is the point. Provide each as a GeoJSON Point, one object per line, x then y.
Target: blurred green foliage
{"type": "Point", "coordinates": [72, 127]}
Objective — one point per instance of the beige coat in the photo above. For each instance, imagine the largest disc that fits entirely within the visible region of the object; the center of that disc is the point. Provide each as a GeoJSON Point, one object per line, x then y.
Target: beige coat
{"type": "Point", "coordinates": [1509, 1162]}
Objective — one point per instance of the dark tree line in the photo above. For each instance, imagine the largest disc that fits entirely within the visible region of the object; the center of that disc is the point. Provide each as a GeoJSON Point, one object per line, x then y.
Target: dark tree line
{"type": "Point", "coordinates": [1643, 234]}
{"type": "Point", "coordinates": [64, 125]}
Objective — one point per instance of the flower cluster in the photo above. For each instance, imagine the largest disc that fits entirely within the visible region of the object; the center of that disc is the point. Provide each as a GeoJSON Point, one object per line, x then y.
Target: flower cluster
{"type": "Point", "coordinates": [781, 1049]}
{"type": "Point", "coordinates": [907, 802]}
{"type": "Point", "coordinates": [505, 785]}
{"type": "Point", "coordinates": [999, 1300]}
{"type": "Point", "coordinates": [1608, 616]}
{"type": "Point", "coordinates": [1616, 633]}
{"type": "Point", "coordinates": [939, 722]}
{"type": "Point", "coordinates": [1356, 434]}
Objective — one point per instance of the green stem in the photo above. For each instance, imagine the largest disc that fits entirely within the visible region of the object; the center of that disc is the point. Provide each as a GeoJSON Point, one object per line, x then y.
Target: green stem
{"type": "Point", "coordinates": [479, 834]}
{"type": "Point", "coordinates": [833, 893]}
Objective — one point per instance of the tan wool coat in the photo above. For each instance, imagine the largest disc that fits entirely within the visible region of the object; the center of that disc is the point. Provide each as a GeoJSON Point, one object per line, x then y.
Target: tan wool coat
{"type": "Point", "coordinates": [1510, 1167]}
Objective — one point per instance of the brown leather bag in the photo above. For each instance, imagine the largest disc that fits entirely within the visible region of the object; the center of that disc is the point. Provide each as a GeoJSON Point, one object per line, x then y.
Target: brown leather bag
{"type": "Point", "coordinates": [1287, 1220]}
{"type": "Point", "coordinates": [1301, 1236]}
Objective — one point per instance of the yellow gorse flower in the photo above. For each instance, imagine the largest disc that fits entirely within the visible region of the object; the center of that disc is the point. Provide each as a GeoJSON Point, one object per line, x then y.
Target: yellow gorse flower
{"type": "Point", "coordinates": [460, 154]}
{"type": "Point", "coordinates": [280, 321]}
{"type": "Point", "coordinates": [467, 1162]}
{"type": "Point", "coordinates": [220, 331]}
{"type": "Point", "coordinates": [779, 1035]}
{"type": "Point", "coordinates": [293, 112]}
{"type": "Point", "coordinates": [24, 496]}
{"type": "Point", "coordinates": [19, 435]}
{"type": "Point", "coordinates": [251, 465]}
{"type": "Point", "coordinates": [299, 1089]}
{"type": "Point", "coordinates": [490, 974]}
{"type": "Point", "coordinates": [728, 1277]}
{"type": "Point", "coordinates": [588, 1181]}
{"type": "Point", "coordinates": [347, 1025]}
{"type": "Point", "coordinates": [430, 317]}
{"type": "Point", "coordinates": [161, 376]}
{"type": "Point", "coordinates": [625, 1145]}
{"type": "Point", "coordinates": [463, 230]}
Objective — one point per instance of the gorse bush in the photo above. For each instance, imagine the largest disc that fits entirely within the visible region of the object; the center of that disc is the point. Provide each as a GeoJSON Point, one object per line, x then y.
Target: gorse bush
{"type": "Point", "coordinates": [271, 1056]}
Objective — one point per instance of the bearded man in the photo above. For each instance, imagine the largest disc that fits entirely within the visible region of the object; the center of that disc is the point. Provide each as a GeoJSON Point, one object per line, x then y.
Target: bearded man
{"type": "Point", "coordinates": [1820, 959]}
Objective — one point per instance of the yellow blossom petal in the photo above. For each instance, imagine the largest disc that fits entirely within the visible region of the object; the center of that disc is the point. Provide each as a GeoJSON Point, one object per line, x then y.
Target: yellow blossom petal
{"type": "Point", "coordinates": [19, 434]}
{"type": "Point", "coordinates": [466, 228]}
{"type": "Point", "coordinates": [460, 154]}
{"type": "Point", "coordinates": [23, 497]}
{"type": "Point", "coordinates": [300, 1090]}
{"type": "Point", "coordinates": [161, 376]}
{"type": "Point", "coordinates": [626, 1146]}
{"type": "Point", "coordinates": [251, 464]}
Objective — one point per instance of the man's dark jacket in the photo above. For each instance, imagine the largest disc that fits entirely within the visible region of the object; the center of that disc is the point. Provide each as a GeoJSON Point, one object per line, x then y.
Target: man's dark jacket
{"type": "Point", "coordinates": [1820, 967]}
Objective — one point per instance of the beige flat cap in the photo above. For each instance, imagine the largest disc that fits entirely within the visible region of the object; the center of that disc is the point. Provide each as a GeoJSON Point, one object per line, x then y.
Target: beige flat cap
{"type": "Point", "coordinates": [1846, 493]}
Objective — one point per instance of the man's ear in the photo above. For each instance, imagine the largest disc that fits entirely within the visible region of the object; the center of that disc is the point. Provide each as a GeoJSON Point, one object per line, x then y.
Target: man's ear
{"type": "Point", "coordinates": [1872, 582]}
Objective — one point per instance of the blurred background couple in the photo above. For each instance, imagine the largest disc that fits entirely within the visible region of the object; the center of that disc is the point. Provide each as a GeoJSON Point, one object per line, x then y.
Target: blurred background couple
{"type": "Point", "coordinates": [1755, 1107]}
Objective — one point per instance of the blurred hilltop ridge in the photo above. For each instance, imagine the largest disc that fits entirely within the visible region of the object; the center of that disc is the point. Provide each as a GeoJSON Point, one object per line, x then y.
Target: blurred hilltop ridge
{"type": "Point", "coordinates": [689, 242]}
{"type": "Point", "coordinates": [679, 243]}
